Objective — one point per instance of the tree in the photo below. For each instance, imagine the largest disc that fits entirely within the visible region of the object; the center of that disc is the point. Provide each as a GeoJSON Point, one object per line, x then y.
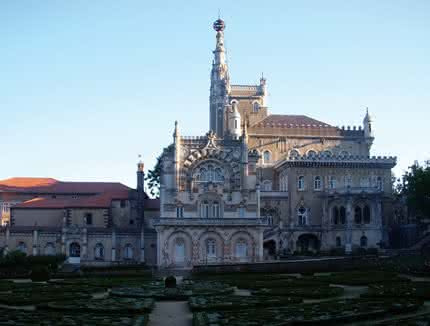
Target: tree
{"type": "Point", "coordinates": [416, 187]}
{"type": "Point", "coordinates": [153, 179]}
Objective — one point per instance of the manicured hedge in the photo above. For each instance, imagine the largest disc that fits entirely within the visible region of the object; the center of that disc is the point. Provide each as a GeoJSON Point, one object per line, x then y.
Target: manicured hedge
{"type": "Point", "coordinates": [324, 313]}
{"type": "Point", "coordinates": [232, 302]}
{"type": "Point", "coordinates": [52, 318]}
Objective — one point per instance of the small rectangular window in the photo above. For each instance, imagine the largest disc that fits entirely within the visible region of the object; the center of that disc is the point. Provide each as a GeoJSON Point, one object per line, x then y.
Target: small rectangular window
{"type": "Point", "coordinates": [180, 211]}
{"type": "Point", "coordinates": [88, 218]}
{"type": "Point", "coordinates": [122, 203]}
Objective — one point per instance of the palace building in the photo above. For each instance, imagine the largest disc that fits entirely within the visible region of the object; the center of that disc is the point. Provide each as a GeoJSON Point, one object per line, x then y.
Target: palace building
{"type": "Point", "coordinates": [282, 183]}
{"type": "Point", "coordinates": [256, 185]}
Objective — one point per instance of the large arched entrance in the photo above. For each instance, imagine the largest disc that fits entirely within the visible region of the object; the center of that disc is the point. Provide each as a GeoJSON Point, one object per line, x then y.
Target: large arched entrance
{"type": "Point", "coordinates": [75, 253]}
{"type": "Point", "coordinates": [269, 249]}
{"type": "Point", "coordinates": [308, 243]}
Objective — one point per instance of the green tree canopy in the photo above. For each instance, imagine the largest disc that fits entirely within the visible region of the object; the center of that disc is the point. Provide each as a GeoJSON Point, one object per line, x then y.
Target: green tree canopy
{"type": "Point", "coordinates": [416, 187]}
{"type": "Point", "coordinates": [153, 179]}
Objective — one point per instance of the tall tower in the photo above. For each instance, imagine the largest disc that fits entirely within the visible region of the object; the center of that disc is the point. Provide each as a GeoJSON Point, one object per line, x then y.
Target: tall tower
{"type": "Point", "coordinates": [368, 129]}
{"type": "Point", "coordinates": [220, 83]}
{"type": "Point", "coordinates": [140, 190]}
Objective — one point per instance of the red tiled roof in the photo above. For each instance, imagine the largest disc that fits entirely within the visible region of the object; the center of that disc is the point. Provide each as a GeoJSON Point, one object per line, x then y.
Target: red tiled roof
{"type": "Point", "coordinates": [291, 120]}
{"type": "Point", "coordinates": [98, 201]}
{"type": "Point", "coordinates": [49, 185]}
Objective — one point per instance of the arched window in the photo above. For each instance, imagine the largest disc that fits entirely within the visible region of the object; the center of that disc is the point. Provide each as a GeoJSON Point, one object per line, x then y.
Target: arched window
{"type": "Point", "coordinates": [332, 182]}
{"type": "Point", "coordinates": [128, 251]}
{"type": "Point", "coordinates": [344, 154]}
{"type": "Point", "coordinates": [49, 249]}
{"type": "Point", "coordinates": [301, 183]}
{"type": "Point", "coordinates": [312, 154]}
{"type": "Point", "coordinates": [180, 211]}
{"type": "Point", "coordinates": [99, 252]}
{"type": "Point", "coordinates": [302, 216]}
{"type": "Point", "coordinates": [379, 184]}
{"type": "Point", "coordinates": [357, 215]}
{"type": "Point", "coordinates": [338, 242]}
{"type": "Point", "coordinates": [348, 181]}
{"type": "Point", "coordinates": [336, 215]}
{"type": "Point", "coordinates": [255, 107]}
{"type": "Point", "coordinates": [342, 213]}
{"type": "Point", "coordinates": [205, 209]}
{"type": "Point", "coordinates": [22, 247]}
{"type": "Point", "coordinates": [283, 182]}
{"type": "Point", "coordinates": [267, 185]}
{"type": "Point", "coordinates": [294, 153]}
{"type": "Point", "coordinates": [241, 249]}
{"type": "Point", "coordinates": [267, 157]}
{"type": "Point", "coordinates": [366, 214]}
{"type": "Point", "coordinates": [210, 248]}
{"type": "Point", "coordinates": [179, 250]}
{"type": "Point", "coordinates": [215, 210]}
{"type": "Point", "coordinates": [209, 172]}
{"type": "Point", "coordinates": [317, 183]}
{"type": "Point", "coordinates": [363, 241]}
{"type": "Point", "coordinates": [75, 250]}
{"type": "Point", "coordinates": [327, 154]}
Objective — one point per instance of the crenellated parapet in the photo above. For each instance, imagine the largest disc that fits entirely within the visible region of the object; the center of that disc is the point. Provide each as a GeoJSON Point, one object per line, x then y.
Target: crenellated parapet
{"type": "Point", "coordinates": [336, 160]}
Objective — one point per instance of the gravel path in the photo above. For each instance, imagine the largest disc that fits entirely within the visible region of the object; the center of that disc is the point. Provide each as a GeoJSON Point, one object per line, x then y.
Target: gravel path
{"type": "Point", "coordinates": [168, 313]}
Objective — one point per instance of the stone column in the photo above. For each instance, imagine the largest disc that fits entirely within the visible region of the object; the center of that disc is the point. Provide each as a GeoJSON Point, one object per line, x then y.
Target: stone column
{"type": "Point", "coordinates": [63, 241]}
{"type": "Point", "coordinates": [84, 253]}
{"type": "Point", "coordinates": [113, 240]}
{"type": "Point", "coordinates": [349, 221]}
{"type": "Point", "coordinates": [6, 248]}
{"type": "Point", "coordinates": [260, 243]}
{"type": "Point", "coordinates": [142, 246]}
{"type": "Point", "coordinates": [258, 201]}
{"type": "Point", "coordinates": [35, 242]}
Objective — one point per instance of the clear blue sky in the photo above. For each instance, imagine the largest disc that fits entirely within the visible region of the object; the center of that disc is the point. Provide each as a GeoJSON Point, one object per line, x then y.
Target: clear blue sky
{"type": "Point", "coordinates": [85, 86]}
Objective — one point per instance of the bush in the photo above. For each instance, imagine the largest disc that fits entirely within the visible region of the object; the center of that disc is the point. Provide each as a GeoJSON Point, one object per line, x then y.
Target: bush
{"type": "Point", "coordinates": [14, 259]}
{"type": "Point", "coordinates": [337, 252]}
{"type": "Point", "coordinates": [51, 262]}
{"type": "Point", "coordinates": [170, 282]}
{"type": "Point", "coordinates": [40, 273]}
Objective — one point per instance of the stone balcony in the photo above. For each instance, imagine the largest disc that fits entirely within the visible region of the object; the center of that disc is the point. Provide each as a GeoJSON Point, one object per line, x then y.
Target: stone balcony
{"type": "Point", "coordinates": [274, 194]}
{"type": "Point", "coordinates": [353, 190]}
{"type": "Point", "coordinates": [186, 221]}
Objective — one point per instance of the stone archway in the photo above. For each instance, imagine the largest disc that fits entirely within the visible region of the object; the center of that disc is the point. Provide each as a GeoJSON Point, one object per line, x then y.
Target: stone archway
{"type": "Point", "coordinates": [74, 253]}
{"type": "Point", "coordinates": [269, 248]}
{"type": "Point", "coordinates": [308, 242]}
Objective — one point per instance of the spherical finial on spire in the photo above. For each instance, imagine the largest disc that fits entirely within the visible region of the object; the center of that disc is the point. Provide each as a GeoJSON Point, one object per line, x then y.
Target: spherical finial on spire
{"type": "Point", "coordinates": [219, 25]}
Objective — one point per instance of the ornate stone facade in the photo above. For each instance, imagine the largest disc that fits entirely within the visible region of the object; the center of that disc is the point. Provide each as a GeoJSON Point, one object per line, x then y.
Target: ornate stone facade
{"type": "Point", "coordinates": [283, 182]}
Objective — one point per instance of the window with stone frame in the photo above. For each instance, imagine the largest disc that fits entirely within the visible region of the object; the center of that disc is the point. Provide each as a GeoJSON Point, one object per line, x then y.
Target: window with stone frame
{"type": "Point", "coordinates": [267, 157]}
{"type": "Point", "coordinates": [363, 241]}
{"type": "Point", "coordinates": [379, 184]}
{"type": "Point", "coordinates": [336, 215]}
{"type": "Point", "coordinates": [88, 219]}
{"type": "Point", "coordinates": [342, 214]}
{"type": "Point", "coordinates": [294, 153]}
{"type": "Point", "coordinates": [338, 242]}
{"type": "Point", "coordinates": [366, 214]}
{"type": "Point", "coordinates": [211, 248]}
{"type": "Point", "coordinates": [128, 252]}
{"type": "Point", "coordinates": [332, 182]}
{"type": "Point", "coordinates": [209, 172]}
{"type": "Point", "coordinates": [318, 183]}
{"type": "Point", "coordinates": [312, 154]}
{"type": "Point", "coordinates": [179, 211]}
{"type": "Point", "coordinates": [255, 107]}
{"type": "Point", "coordinates": [283, 182]}
{"type": "Point", "coordinates": [358, 215]}
{"type": "Point", "coordinates": [99, 252]}
{"type": "Point", "coordinates": [267, 185]}
{"type": "Point", "coordinates": [348, 181]}
{"type": "Point", "coordinates": [302, 216]}
{"type": "Point", "coordinates": [301, 183]}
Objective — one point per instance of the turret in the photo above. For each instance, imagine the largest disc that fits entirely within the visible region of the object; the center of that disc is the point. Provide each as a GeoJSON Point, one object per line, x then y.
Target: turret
{"type": "Point", "coordinates": [368, 128]}
{"type": "Point", "coordinates": [140, 189]}
{"type": "Point", "coordinates": [234, 124]}
{"type": "Point", "coordinates": [220, 83]}
{"type": "Point", "coordinates": [177, 151]}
